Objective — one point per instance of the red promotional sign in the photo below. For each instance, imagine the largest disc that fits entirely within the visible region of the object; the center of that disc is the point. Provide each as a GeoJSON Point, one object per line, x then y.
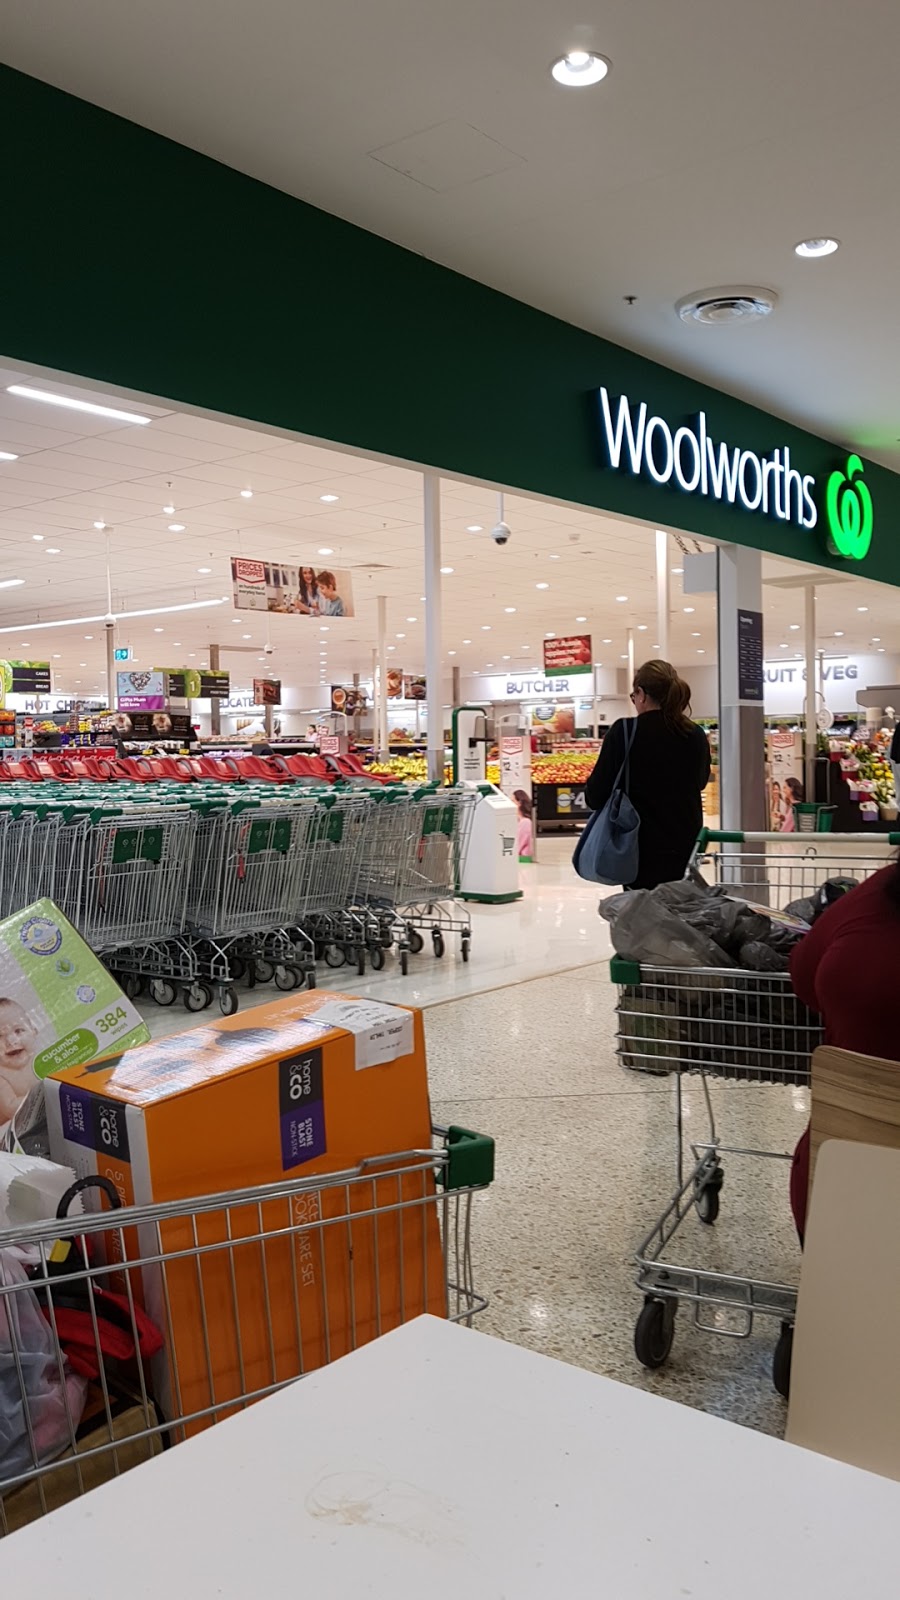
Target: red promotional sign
{"type": "Point", "coordinates": [565, 657]}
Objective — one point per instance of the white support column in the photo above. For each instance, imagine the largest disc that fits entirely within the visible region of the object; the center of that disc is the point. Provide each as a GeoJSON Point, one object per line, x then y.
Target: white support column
{"type": "Point", "coordinates": [434, 664]}
{"type": "Point", "coordinates": [381, 727]}
{"type": "Point", "coordinates": [662, 594]}
{"type": "Point", "coordinates": [742, 764]}
{"type": "Point", "coordinates": [215, 706]}
{"type": "Point", "coordinates": [111, 680]}
{"type": "Point", "coordinates": [812, 727]}
{"type": "Point", "coordinates": [630, 659]}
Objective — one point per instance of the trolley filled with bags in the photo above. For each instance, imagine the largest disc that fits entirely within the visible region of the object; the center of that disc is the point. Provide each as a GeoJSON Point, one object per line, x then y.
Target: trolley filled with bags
{"type": "Point", "coordinates": [125, 1330]}
{"type": "Point", "coordinates": [725, 1025]}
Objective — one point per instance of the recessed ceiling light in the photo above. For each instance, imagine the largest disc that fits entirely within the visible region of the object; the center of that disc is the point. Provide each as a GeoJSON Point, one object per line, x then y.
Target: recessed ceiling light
{"type": "Point", "coordinates": [542, 586]}
{"type": "Point", "coordinates": [392, 647]}
{"type": "Point", "coordinates": [11, 583]}
{"type": "Point", "coordinates": [677, 570]}
{"type": "Point", "coordinates": [325, 550]}
{"type": "Point", "coordinates": [57, 656]}
{"type": "Point", "coordinates": [862, 608]}
{"type": "Point", "coordinates": [451, 652]}
{"type": "Point", "coordinates": [157, 630]}
{"type": "Point", "coordinates": [581, 619]}
{"type": "Point", "coordinates": [24, 644]}
{"type": "Point", "coordinates": [474, 527]}
{"type": "Point", "coordinates": [89, 636]}
{"type": "Point", "coordinates": [52, 550]}
{"type": "Point", "coordinates": [168, 511]}
{"type": "Point", "coordinates": [209, 569]}
{"type": "Point", "coordinates": [655, 647]}
{"type": "Point", "coordinates": [99, 526]}
{"type": "Point", "coordinates": [485, 627]}
{"type": "Point", "coordinates": [795, 627]}
{"type": "Point", "coordinates": [809, 249]}
{"type": "Point", "coordinates": [467, 641]}
{"type": "Point", "coordinates": [549, 635]}
{"type": "Point", "coordinates": [509, 609]}
{"type": "Point", "coordinates": [490, 663]}
{"type": "Point", "coordinates": [621, 598]}
{"type": "Point", "coordinates": [607, 641]}
{"type": "Point", "coordinates": [176, 644]}
{"type": "Point", "coordinates": [176, 527]}
{"type": "Point", "coordinates": [642, 627]}
{"type": "Point", "coordinates": [881, 650]}
{"type": "Point", "coordinates": [246, 636]}
{"type": "Point", "coordinates": [235, 622]}
{"type": "Point", "coordinates": [329, 499]}
{"type": "Point", "coordinates": [399, 635]}
{"type": "Point", "coordinates": [49, 399]}
{"type": "Point", "coordinates": [246, 494]}
{"type": "Point", "coordinates": [192, 655]}
{"type": "Point", "coordinates": [7, 455]}
{"type": "Point", "coordinates": [688, 610]}
{"type": "Point", "coordinates": [623, 658]}
{"type": "Point", "coordinates": [446, 571]}
{"type": "Point", "coordinates": [412, 619]}
{"type": "Point", "coordinates": [526, 647]}
{"type": "Point", "coordinates": [877, 639]}
{"type": "Point", "coordinates": [507, 658]}
{"type": "Point", "coordinates": [839, 633]}
{"type": "Point", "coordinates": [38, 538]}
{"type": "Point", "coordinates": [701, 652]}
{"type": "Point", "coordinates": [579, 68]}
{"type": "Point", "coordinates": [696, 636]}
{"type": "Point", "coordinates": [554, 558]}
{"type": "Point", "coordinates": [782, 647]}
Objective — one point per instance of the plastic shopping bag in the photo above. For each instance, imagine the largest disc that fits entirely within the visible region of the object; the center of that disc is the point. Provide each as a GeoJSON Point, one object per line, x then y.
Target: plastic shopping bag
{"type": "Point", "coordinates": [41, 1401]}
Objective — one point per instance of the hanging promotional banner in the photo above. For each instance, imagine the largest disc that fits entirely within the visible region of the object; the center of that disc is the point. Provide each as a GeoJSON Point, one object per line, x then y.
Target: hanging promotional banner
{"type": "Point", "coordinates": [557, 719]}
{"type": "Point", "coordinates": [24, 677]}
{"type": "Point", "coordinates": [313, 591]}
{"type": "Point", "coordinates": [351, 699]}
{"type": "Point", "coordinates": [267, 691]}
{"type": "Point", "coordinates": [394, 679]}
{"type": "Point", "coordinates": [141, 691]}
{"type": "Point", "coordinates": [176, 682]}
{"type": "Point", "coordinates": [152, 725]}
{"type": "Point", "coordinates": [565, 657]}
{"type": "Point", "coordinates": [414, 687]}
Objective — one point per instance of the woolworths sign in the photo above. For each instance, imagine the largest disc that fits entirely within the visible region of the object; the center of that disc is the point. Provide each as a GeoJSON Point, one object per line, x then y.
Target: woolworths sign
{"type": "Point", "coordinates": [637, 441]}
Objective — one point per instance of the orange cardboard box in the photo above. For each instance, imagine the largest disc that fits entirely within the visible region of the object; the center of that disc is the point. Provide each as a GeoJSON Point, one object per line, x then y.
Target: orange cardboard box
{"type": "Point", "coordinates": [304, 1087]}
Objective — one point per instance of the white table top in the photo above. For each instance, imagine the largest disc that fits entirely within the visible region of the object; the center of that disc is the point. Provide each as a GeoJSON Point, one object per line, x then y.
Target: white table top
{"type": "Point", "coordinates": [438, 1463]}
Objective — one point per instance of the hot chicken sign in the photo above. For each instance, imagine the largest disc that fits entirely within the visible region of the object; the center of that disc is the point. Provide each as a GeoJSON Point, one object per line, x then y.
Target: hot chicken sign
{"type": "Point", "coordinates": [563, 658]}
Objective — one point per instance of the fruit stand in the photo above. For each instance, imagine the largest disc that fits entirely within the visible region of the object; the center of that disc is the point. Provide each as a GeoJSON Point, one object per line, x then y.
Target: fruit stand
{"type": "Point", "coordinates": [558, 781]}
{"type": "Point", "coordinates": [861, 784]}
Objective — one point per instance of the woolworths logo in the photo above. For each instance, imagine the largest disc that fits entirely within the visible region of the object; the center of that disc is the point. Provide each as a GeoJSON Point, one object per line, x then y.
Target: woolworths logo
{"type": "Point", "coordinates": [638, 442]}
{"type": "Point", "coordinates": [848, 508]}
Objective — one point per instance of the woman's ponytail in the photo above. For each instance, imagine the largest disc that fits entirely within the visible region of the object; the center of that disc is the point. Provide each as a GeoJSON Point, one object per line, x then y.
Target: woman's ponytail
{"type": "Point", "coordinates": [661, 683]}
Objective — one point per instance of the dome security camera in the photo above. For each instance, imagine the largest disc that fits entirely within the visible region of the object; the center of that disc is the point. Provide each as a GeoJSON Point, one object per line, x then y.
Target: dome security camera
{"type": "Point", "coordinates": [268, 649]}
{"type": "Point", "coordinates": [501, 533]}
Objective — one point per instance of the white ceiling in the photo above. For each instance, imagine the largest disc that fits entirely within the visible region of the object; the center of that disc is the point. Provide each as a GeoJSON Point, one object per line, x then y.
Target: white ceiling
{"type": "Point", "coordinates": [74, 470]}
{"type": "Point", "coordinates": [722, 136]}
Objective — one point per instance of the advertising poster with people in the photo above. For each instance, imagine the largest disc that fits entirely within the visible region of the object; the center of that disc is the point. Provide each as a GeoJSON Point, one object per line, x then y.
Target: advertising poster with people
{"type": "Point", "coordinates": [313, 591]}
{"type": "Point", "coordinates": [785, 765]}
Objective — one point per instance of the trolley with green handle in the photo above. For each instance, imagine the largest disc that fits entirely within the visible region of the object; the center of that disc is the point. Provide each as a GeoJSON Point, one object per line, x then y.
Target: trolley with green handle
{"type": "Point", "coordinates": [726, 1026]}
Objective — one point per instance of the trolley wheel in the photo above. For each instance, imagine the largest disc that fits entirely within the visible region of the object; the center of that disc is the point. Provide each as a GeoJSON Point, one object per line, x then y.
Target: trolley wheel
{"type": "Point", "coordinates": [286, 978]}
{"type": "Point", "coordinates": [334, 956]}
{"type": "Point", "coordinates": [198, 997]}
{"type": "Point", "coordinates": [415, 941]}
{"type": "Point", "coordinates": [228, 1000]}
{"type": "Point", "coordinates": [437, 939]}
{"type": "Point", "coordinates": [706, 1197]}
{"type": "Point", "coordinates": [404, 962]}
{"type": "Point", "coordinates": [133, 985]}
{"type": "Point", "coordinates": [237, 966]}
{"type": "Point", "coordinates": [310, 979]}
{"type": "Point", "coordinates": [264, 972]}
{"type": "Point", "coordinates": [387, 938]}
{"type": "Point", "coordinates": [361, 963]}
{"type": "Point", "coordinates": [654, 1331]}
{"type": "Point", "coordinates": [376, 957]}
{"type": "Point", "coordinates": [162, 991]}
{"type": "Point", "coordinates": [781, 1360]}
{"type": "Point", "coordinates": [464, 949]}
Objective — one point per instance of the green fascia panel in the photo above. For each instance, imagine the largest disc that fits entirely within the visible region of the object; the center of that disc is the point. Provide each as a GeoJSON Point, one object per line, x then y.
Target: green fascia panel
{"type": "Point", "coordinates": [276, 312]}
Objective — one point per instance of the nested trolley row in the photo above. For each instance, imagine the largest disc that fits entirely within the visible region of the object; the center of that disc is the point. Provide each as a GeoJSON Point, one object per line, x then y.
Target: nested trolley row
{"type": "Point", "coordinates": [194, 893]}
{"type": "Point", "coordinates": [732, 1026]}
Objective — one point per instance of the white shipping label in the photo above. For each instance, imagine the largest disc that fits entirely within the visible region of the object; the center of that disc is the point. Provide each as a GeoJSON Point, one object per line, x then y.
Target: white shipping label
{"type": "Point", "coordinates": [382, 1032]}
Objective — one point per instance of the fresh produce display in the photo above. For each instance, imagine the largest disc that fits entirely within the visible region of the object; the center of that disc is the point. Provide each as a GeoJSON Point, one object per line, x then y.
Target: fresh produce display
{"type": "Point", "coordinates": [407, 769]}
{"type": "Point", "coordinates": [565, 767]}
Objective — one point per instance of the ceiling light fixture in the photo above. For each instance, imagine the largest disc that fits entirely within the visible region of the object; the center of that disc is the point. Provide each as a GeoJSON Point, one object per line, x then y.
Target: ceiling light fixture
{"type": "Point", "coordinates": [689, 610]}
{"type": "Point", "coordinates": [474, 527]}
{"type": "Point", "coordinates": [25, 391]}
{"type": "Point", "coordinates": [862, 608]}
{"type": "Point", "coordinates": [329, 499]}
{"type": "Point", "coordinates": [157, 630]}
{"type": "Point", "coordinates": [877, 639]}
{"type": "Point", "coordinates": [839, 633]}
{"type": "Point", "coordinates": [485, 627]}
{"type": "Point", "coordinates": [677, 571]}
{"type": "Point", "coordinates": [621, 599]}
{"type": "Point", "coordinates": [451, 652]}
{"type": "Point", "coordinates": [168, 511]}
{"type": "Point", "coordinates": [100, 526]}
{"type": "Point", "coordinates": [542, 586]}
{"type": "Point", "coordinates": [579, 69]}
{"type": "Point", "coordinates": [7, 455]}
{"type": "Point", "coordinates": [38, 538]}
{"type": "Point", "coordinates": [325, 550]}
{"type": "Point", "coordinates": [209, 569]}
{"type": "Point", "coordinates": [446, 571]}
{"type": "Point", "coordinates": [412, 619]}
{"type": "Point", "coordinates": [176, 527]}
{"type": "Point", "coordinates": [795, 627]}
{"type": "Point", "coordinates": [607, 641]}
{"type": "Point", "coordinates": [810, 249]}
{"type": "Point", "coordinates": [467, 641]}
{"type": "Point", "coordinates": [52, 550]}
{"type": "Point", "coordinates": [509, 610]}
{"type": "Point", "coordinates": [116, 616]}
{"type": "Point", "coordinates": [246, 494]}
{"type": "Point", "coordinates": [581, 619]}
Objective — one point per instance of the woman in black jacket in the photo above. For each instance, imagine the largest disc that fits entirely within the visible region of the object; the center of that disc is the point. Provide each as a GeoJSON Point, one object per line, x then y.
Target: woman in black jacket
{"type": "Point", "coordinates": [668, 769]}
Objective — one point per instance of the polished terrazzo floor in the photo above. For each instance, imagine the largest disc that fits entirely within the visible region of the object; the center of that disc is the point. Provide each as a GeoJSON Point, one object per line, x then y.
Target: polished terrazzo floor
{"type": "Point", "coordinates": [521, 1045]}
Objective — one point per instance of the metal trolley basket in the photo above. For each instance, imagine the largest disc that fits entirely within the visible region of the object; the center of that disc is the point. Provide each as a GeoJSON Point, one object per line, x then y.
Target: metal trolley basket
{"type": "Point", "coordinates": [124, 1331]}
{"type": "Point", "coordinates": [739, 1027]}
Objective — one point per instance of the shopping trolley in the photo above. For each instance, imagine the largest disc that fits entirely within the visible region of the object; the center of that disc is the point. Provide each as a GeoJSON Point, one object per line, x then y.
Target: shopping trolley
{"type": "Point", "coordinates": [414, 852]}
{"type": "Point", "coordinates": [124, 1331]}
{"type": "Point", "coordinates": [739, 1027]}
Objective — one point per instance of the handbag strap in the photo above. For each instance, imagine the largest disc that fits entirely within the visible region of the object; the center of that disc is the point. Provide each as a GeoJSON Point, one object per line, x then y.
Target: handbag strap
{"type": "Point", "coordinates": [629, 734]}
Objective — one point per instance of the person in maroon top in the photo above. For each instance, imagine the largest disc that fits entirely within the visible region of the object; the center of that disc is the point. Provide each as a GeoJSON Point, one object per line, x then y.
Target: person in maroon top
{"type": "Point", "coordinates": [846, 968]}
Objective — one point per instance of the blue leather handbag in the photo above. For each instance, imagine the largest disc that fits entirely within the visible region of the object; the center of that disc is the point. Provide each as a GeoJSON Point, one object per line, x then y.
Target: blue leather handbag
{"type": "Point", "coordinates": [608, 851]}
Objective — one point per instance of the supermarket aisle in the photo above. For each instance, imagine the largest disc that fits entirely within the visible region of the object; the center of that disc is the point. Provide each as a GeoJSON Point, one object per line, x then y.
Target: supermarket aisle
{"type": "Point", "coordinates": [585, 1162]}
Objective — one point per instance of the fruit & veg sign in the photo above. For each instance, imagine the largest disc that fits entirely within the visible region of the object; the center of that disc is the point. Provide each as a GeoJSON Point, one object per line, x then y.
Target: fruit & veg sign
{"type": "Point", "coordinates": [567, 656]}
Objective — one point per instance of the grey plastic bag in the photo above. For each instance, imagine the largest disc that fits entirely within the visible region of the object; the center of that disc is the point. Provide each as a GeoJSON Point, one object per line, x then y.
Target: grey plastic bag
{"type": "Point", "coordinates": [644, 929]}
